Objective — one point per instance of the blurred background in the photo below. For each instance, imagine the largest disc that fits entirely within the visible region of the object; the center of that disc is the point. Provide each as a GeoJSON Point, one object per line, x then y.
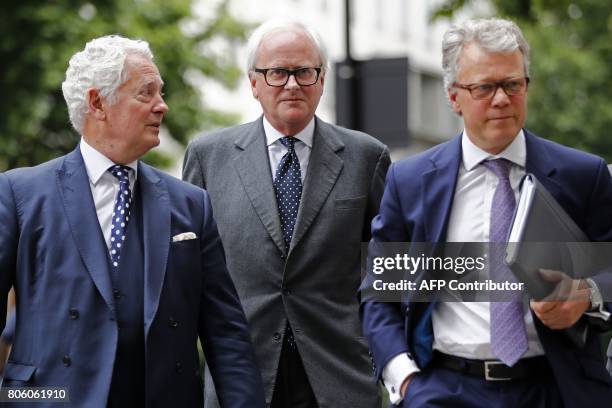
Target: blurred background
{"type": "Point", "coordinates": [385, 77]}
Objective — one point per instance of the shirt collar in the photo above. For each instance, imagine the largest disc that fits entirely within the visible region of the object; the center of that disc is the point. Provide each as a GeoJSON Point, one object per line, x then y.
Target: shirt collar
{"type": "Point", "coordinates": [516, 152]}
{"type": "Point", "coordinates": [97, 164]}
{"type": "Point", "coordinates": [306, 135]}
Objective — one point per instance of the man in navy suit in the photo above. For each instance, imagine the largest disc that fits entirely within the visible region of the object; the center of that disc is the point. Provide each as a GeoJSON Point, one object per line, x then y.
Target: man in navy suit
{"type": "Point", "coordinates": [118, 268]}
{"type": "Point", "coordinates": [448, 354]}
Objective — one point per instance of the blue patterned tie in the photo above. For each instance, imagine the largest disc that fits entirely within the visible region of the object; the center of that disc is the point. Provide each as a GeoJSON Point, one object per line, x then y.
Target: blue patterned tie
{"type": "Point", "coordinates": [288, 188]}
{"type": "Point", "coordinates": [121, 212]}
{"type": "Point", "coordinates": [508, 333]}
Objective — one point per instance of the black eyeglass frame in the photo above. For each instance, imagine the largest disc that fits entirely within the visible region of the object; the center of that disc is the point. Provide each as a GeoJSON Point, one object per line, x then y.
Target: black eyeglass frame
{"type": "Point", "coordinates": [290, 72]}
{"type": "Point", "coordinates": [497, 84]}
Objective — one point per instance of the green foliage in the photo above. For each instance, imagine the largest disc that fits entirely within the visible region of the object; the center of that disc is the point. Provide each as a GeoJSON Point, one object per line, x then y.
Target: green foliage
{"type": "Point", "coordinates": [448, 8]}
{"type": "Point", "coordinates": [570, 97]}
{"type": "Point", "coordinates": [37, 38]}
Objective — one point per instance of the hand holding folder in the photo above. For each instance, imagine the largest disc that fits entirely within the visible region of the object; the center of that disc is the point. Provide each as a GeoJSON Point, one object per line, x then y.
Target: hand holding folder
{"type": "Point", "coordinates": [565, 306]}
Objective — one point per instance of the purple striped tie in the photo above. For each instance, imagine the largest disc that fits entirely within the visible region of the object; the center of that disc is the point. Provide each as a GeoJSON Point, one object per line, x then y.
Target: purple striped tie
{"type": "Point", "coordinates": [508, 334]}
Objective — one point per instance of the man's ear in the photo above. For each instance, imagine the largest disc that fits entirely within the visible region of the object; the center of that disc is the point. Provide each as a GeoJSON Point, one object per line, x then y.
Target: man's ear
{"type": "Point", "coordinates": [253, 82]}
{"type": "Point", "coordinates": [452, 96]}
{"type": "Point", "coordinates": [95, 104]}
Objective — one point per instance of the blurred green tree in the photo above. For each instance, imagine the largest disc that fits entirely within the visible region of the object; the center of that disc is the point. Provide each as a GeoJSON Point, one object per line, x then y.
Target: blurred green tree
{"type": "Point", "coordinates": [37, 38]}
{"type": "Point", "coordinates": [570, 96]}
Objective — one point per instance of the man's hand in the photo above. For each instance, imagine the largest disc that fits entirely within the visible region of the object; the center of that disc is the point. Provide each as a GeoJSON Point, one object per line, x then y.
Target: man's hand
{"type": "Point", "coordinates": [405, 384]}
{"type": "Point", "coordinates": [566, 304]}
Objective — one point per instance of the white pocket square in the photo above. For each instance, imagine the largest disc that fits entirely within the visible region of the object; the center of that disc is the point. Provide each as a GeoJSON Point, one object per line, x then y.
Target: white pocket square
{"type": "Point", "coordinates": [185, 236]}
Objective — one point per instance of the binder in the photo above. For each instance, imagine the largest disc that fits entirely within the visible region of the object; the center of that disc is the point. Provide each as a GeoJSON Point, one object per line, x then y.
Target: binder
{"type": "Point", "coordinates": [543, 236]}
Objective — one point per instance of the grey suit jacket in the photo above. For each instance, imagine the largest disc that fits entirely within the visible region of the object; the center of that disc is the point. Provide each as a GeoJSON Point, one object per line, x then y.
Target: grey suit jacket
{"type": "Point", "coordinates": [314, 285]}
{"type": "Point", "coordinates": [609, 363]}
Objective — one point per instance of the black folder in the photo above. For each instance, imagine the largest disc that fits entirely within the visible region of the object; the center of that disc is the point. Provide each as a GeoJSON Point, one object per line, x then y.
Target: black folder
{"type": "Point", "coordinates": [543, 236]}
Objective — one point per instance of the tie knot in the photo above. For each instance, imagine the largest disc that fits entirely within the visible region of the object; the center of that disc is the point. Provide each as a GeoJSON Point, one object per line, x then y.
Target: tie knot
{"type": "Point", "coordinates": [120, 172]}
{"type": "Point", "coordinates": [501, 167]}
{"type": "Point", "coordinates": [288, 142]}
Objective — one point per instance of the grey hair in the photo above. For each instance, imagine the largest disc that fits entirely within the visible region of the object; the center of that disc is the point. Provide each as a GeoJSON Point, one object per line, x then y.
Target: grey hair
{"type": "Point", "coordinates": [271, 26]}
{"type": "Point", "coordinates": [99, 66]}
{"type": "Point", "coordinates": [493, 34]}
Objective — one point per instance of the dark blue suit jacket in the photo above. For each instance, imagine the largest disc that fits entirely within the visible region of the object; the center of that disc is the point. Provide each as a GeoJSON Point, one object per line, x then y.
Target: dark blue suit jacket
{"type": "Point", "coordinates": [416, 207]}
{"type": "Point", "coordinates": [53, 251]}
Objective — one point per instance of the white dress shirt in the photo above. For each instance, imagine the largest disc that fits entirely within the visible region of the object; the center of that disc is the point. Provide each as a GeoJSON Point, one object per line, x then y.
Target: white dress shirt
{"type": "Point", "coordinates": [276, 150]}
{"type": "Point", "coordinates": [469, 222]}
{"type": "Point", "coordinates": [104, 186]}
{"type": "Point", "coordinates": [463, 328]}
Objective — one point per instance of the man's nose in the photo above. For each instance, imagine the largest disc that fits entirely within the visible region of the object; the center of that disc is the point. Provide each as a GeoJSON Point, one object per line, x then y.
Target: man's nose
{"type": "Point", "coordinates": [292, 82]}
{"type": "Point", "coordinates": [160, 106]}
{"type": "Point", "coordinates": [500, 97]}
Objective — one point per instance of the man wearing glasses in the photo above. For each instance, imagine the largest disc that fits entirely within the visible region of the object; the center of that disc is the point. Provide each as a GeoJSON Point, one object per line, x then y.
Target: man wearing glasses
{"type": "Point", "coordinates": [293, 197]}
{"type": "Point", "coordinates": [489, 354]}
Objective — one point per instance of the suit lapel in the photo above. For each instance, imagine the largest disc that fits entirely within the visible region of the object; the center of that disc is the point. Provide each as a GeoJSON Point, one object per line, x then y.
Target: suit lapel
{"type": "Point", "coordinates": [156, 237]}
{"type": "Point", "coordinates": [75, 194]}
{"type": "Point", "coordinates": [253, 167]}
{"type": "Point", "coordinates": [540, 164]}
{"type": "Point", "coordinates": [324, 168]}
{"type": "Point", "coordinates": [439, 187]}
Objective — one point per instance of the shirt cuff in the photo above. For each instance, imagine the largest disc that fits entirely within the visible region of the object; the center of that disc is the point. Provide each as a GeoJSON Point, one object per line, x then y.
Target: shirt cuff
{"type": "Point", "coordinates": [597, 304]}
{"type": "Point", "coordinates": [394, 374]}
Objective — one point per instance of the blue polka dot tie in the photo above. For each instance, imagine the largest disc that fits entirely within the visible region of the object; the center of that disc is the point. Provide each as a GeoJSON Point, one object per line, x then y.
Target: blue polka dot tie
{"type": "Point", "coordinates": [288, 188]}
{"type": "Point", "coordinates": [121, 212]}
{"type": "Point", "coordinates": [508, 333]}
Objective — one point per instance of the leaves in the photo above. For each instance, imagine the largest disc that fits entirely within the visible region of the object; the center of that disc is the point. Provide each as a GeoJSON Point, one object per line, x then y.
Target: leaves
{"type": "Point", "coordinates": [570, 96]}
{"type": "Point", "coordinates": [38, 38]}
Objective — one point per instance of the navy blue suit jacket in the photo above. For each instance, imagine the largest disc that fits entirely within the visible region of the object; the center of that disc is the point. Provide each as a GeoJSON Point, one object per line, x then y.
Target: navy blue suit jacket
{"type": "Point", "coordinates": [52, 250]}
{"type": "Point", "coordinates": [416, 207]}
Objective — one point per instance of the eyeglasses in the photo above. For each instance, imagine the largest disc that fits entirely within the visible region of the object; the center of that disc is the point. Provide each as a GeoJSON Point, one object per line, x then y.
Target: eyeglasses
{"type": "Point", "coordinates": [280, 76]}
{"type": "Point", "coordinates": [485, 90]}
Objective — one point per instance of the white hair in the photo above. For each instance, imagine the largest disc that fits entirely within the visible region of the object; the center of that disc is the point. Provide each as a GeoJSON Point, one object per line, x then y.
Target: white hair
{"type": "Point", "coordinates": [493, 34]}
{"type": "Point", "coordinates": [99, 66]}
{"type": "Point", "coordinates": [272, 26]}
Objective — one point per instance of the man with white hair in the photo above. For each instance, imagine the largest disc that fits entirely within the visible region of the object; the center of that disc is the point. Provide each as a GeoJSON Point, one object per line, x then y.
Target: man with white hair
{"type": "Point", "coordinates": [490, 354]}
{"type": "Point", "coordinates": [294, 197]}
{"type": "Point", "coordinates": [117, 267]}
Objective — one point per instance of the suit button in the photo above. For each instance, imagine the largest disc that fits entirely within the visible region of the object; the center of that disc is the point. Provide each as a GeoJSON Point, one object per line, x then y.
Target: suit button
{"type": "Point", "coordinates": [283, 256]}
{"type": "Point", "coordinates": [178, 367]}
{"type": "Point", "coordinates": [116, 293]}
{"type": "Point", "coordinates": [173, 323]}
{"type": "Point", "coordinates": [276, 336]}
{"type": "Point", "coordinates": [74, 314]}
{"type": "Point", "coordinates": [66, 360]}
{"type": "Point", "coordinates": [286, 292]}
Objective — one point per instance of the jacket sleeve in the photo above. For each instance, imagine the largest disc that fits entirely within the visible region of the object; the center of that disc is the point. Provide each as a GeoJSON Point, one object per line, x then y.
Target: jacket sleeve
{"type": "Point", "coordinates": [223, 327]}
{"type": "Point", "coordinates": [383, 323]}
{"type": "Point", "coordinates": [377, 186]}
{"type": "Point", "coordinates": [9, 238]}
